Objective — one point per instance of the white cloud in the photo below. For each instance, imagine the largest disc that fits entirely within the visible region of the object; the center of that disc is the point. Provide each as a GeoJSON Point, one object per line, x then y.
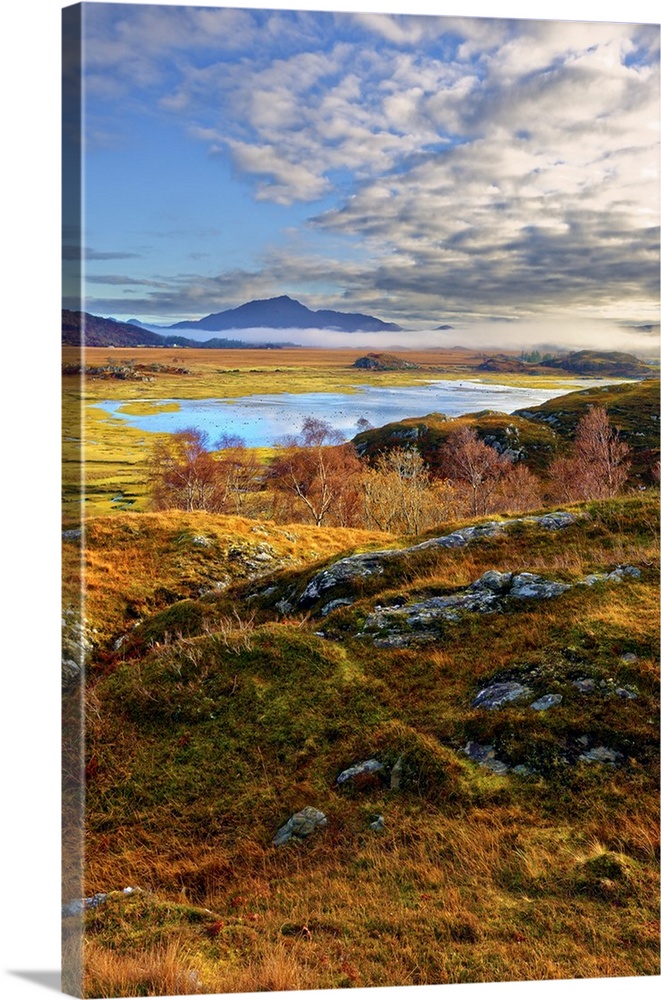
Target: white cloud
{"type": "Point", "coordinates": [494, 166]}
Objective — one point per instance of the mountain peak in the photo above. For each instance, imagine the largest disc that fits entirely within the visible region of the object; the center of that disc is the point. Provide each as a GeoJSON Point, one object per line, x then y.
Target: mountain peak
{"type": "Point", "coordinates": [283, 312]}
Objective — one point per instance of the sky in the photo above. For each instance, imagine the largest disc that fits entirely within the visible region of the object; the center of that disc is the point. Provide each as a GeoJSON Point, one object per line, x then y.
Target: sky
{"type": "Point", "coordinates": [497, 175]}
{"type": "Point", "coordinates": [425, 169]}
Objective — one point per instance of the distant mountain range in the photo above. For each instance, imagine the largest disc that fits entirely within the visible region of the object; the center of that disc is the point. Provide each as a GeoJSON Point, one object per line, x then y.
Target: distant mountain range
{"type": "Point", "coordinates": [285, 313]}
{"type": "Point", "coordinates": [100, 332]}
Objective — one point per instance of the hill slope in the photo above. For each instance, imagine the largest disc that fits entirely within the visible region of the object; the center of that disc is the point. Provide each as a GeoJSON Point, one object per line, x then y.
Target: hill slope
{"type": "Point", "coordinates": [100, 332]}
{"type": "Point", "coordinates": [384, 363]}
{"type": "Point", "coordinates": [605, 364]}
{"type": "Point", "coordinates": [488, 840]}
{"type": "Point", "coordinates": [536, 434]}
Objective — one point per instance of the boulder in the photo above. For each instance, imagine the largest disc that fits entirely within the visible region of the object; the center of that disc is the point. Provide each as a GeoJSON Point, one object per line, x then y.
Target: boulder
{"type": "Point", "coordinates": [499, 694]}
{"type": "Point", "coordinates": [493, 582]}
{"type": "Point", "coordinates": [300, 825]}
{"type": "Point", "coordinates": [486, 757]}
{"type": "Point", "coordinates": [585, 685]}
{"type": "Point", "coordinates": [531, 585]}
{"type": "Point", "coordinates": [342, 572]}
{"type": "Point", "coordinates": [546, 701]}
{"type": "Point", "coordinates": [339, 602]}
{"type": "Point", "coordinates": [602, 755]}
{"type": "Point", "coordinates": [357, 772]}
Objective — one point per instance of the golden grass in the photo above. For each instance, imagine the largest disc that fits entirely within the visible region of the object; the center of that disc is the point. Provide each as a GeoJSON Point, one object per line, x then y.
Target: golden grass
{"type": "Point", "coordinates": [131, 559]}
{"type": "Point", "coordinates": [204, 746]}
{"type": "Point", "coordinates": [474, 898]}
{"type": "Point", "coordinates": [162, 970]}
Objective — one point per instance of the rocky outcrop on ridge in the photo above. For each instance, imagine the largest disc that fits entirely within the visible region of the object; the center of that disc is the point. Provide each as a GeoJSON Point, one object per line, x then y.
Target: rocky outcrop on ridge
{"type": "Point", "coordinates": [365, 564]}
{"type": "Point", "coordinates": [493, 592]}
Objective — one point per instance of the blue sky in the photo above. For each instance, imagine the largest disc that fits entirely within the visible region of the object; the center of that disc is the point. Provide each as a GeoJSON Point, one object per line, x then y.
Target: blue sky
{"type": "Point", "coordinates": [423, 169]}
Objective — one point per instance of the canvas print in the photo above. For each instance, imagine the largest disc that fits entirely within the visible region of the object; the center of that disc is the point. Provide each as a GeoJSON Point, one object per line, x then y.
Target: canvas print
{"type": "Point", "coordinates": [360, 499]}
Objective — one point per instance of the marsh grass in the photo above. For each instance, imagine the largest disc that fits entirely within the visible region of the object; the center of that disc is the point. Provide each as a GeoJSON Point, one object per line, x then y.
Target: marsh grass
{"type": "Point", "coordinates": [140, 565]}
{"type": "Point", "coordinates": [116, 454]}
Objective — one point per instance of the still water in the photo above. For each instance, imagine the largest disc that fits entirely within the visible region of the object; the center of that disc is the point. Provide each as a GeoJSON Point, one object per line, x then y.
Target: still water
{"type": "Point", "coordinates": [262, 420]}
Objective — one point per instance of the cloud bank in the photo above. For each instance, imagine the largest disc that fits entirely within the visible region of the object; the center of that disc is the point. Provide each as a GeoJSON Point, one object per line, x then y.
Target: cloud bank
{"type": "Point", "coordinates": [439, 169]}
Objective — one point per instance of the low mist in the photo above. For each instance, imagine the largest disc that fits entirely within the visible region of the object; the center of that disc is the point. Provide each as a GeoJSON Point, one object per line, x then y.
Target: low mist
{"type": "Point", "coordinates": [548, 335]}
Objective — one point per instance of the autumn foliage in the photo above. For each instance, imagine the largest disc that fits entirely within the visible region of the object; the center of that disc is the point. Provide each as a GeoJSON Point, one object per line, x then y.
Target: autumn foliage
{"type": "Point", "coordinates": [315, 477]}
{"type": "Point", "coordinates": [598, 464]}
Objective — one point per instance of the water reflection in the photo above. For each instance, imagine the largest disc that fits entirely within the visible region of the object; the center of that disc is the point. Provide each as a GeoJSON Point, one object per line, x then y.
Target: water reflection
{"type": "Point", "coordinates": [262, 419]}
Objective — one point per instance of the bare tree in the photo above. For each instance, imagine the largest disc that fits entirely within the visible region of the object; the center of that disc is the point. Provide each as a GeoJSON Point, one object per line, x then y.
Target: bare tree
{"type": "Point", "coordinates": [468, 461]}
{"type": "Point", "coordinates": [317, 470]}
{"type": "Point", "coordinates": [184, 475]}
{"type": "Point", "coordinates": [400, 496]}
{"type": "Point", "coordinates": [240, 473]}
{"type": "Point", "coordinates": [518, 490]}
{"type": "Point", "coordinates": [598, 464]}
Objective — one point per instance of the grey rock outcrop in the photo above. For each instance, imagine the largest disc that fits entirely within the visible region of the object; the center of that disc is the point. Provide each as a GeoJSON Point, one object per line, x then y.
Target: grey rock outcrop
{"type": "Point", "coordinates": [585, 685]}
{"type": "Point", "coordinates": [77, 906]}
{"type": "Point", "coordinates": [485, 755]}
{"type": "Point", "coordinates": [300, 825]}
{"type": "Point", "coordinates": [346, 571]}
{"type": "Point", "coordinates": [358, 771]}
{"type": "Point", "coordinates": [602, 755]}
{"type": "Point", "coordinates": [499, 694]}
{"type": "Point", "coordinates": [339, 602]}
{"type": "Point", "coordinates": [532, 586]}
{"type": "Point", "coordinates": [616, 576]}
{"type": "Point", "coordinates": [546, 701]}
{"type": "Point", "coordinates": [399, 625]}
{"type": "Point", "coordinates": [403, 624]}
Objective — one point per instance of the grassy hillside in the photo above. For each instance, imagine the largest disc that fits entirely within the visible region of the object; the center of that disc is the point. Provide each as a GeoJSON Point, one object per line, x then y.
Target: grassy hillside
{"type": "Point", "coordinates": [534, 441]}
{"type": "Point", "coordinates": [632, 407]}
{"type": "Point", "coordinates": [139, 565]}
{"type": "Point", "coordinates": [201, 744]}
{"type": "Point", "coordinates": [538, 433]}
{"type": "Point", "coordinates": [603, 364]}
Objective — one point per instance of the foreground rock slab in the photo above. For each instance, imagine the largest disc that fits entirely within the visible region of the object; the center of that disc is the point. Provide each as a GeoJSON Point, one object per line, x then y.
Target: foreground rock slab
{"type": "Point", "coordinates": [397, 626]}
{"type": "Point", "coordinates": [366, 564]}
{"type": "Point", "coordinates": [300, 825]}
{"type": "Point", "coordinates": [358, 772]}
{"type": "Point", "coordinates": [497, 695]}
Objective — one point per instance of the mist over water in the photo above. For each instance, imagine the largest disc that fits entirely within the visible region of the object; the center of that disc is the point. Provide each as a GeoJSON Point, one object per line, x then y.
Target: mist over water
{"type": "Point", "coordinates": [261, 420]}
